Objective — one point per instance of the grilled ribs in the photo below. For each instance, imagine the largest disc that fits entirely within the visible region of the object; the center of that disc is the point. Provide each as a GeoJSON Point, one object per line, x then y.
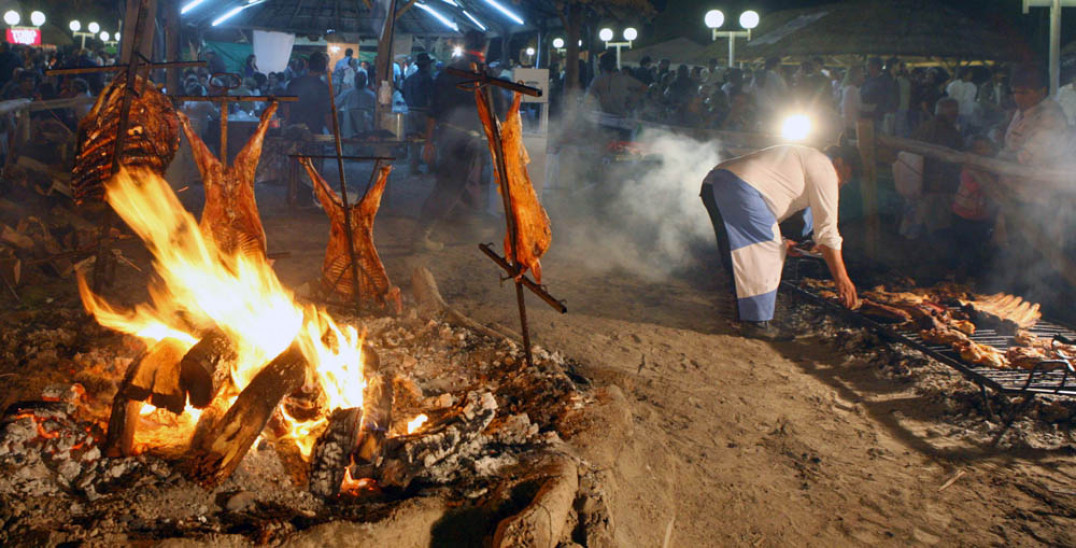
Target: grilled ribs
{"type": "Point", "coordinates": [1004, 310]}
{"type": "Point", "coordinates": [230, 217]}
{"type": "Point", "coordinates": [533, 234]}
{"type": "Point", "coordinates": [336, 270]}
{"type": "Point", "coordinates": [151, 142]}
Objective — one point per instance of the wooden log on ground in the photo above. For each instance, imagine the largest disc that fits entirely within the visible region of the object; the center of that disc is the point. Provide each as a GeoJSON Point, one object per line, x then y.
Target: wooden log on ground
{"type": "Point", "coordinates": [218, 448]}
{"type": "Point", "coordinates": [429, 299]}
{"type": "Point", "coordinates": [332, 454]}
{"type": "Point", "coordinates": [541, 524]}
{"type": "Point", "coordinates": [207, 367]}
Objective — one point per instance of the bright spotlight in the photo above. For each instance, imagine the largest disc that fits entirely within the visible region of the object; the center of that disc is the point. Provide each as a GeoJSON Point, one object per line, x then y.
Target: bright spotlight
{"type": "Point", "coordinates": [558, 43]}
{"type": "Point", "coordinates": [457, 51]}
{"type": "Point", "coordinates": [11, 17]}
{"type": "Point", "coordinates": [605, 35]}
{"type": "Point", "coordinates": [714, 19]}
{"type": "Point", "coordinates": [530, 52]}
{"type": "Point", "coordinates": [630, 34]}
{"type": "Point", "coordinates": [74, 26]}
{"type": "Point", "coordinates": [104, 36]}
{"type": "Point", "coordinates": [116, 37]}
{"type": "Point", "coordinates": [749, 19]}
{"type": "Point", "coordinates": [796, 127]}
{"type": "Point", "coordinates": [94, 28]}
{"type": "Point", "coordinates": [37, 18]}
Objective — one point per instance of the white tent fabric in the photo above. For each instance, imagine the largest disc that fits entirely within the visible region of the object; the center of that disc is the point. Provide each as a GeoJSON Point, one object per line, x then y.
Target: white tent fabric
{"type": "Point", "coordinates": [273, 49]}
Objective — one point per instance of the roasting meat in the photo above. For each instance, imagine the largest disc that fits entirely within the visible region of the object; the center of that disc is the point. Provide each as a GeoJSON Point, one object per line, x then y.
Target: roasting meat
{"type": "Point", "coordinates": [981, 354]}
{"type": "Point", "coordinates": [151, 142]}
{"type": "Point", "coordinates": [1023, 357]}
{"type": "Point", "coordinates": [230, 217]}
{"type": "Point", "coordinates": [533, 234]}
{"type": "Point", "coordinates": [942, 336]}
{"type": "Point", "coordinates": [884, 313]}
{"type": "Point", "coordinates": [1004, 310]}
{"type": "Point", "coordinates": [880, 295]}
{"type": "Point", "coordinates": [336, 274]}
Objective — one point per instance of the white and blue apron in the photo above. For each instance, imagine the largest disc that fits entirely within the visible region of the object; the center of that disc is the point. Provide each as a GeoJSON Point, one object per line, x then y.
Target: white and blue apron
{"type": "Point", "coordinates": [755, 244]}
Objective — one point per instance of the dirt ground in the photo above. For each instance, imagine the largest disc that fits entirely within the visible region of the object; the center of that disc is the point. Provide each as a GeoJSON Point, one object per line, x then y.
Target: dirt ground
{"type": "Point", "coordinates": [729, 441]}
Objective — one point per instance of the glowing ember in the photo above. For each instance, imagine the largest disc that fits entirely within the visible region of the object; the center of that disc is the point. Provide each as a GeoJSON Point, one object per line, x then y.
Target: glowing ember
{"type": "Point", "coordinates": [355, 487]}
{"type": "Point", "coordinates": [416, 423]}
{"type": "Point", "coordinates": [201, 289]}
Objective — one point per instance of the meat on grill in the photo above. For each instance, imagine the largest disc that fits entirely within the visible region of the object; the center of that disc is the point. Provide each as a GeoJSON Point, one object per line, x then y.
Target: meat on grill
{"type": "Point", "coordinates": [230, 217]}
{"type": "Point", "coordinates": [151, 142]}
{"type": "Point", "coordinates": [1024, 357]}
{"type": "Point", "coordinates": [336, 270]}
{"type": "Point", "coordinates": [943, 336]}
{"type": "Point", "coordinates": [533, 234]}
{"type": "Point", "coordinates": [1004, 309]}
{"type": "Point", "coordinates": [981, 354]}
{"type": "Point", "coordinates": [880, 295]}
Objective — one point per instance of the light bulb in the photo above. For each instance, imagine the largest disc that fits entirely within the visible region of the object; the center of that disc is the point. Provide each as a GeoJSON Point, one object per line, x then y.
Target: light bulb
{"type": "Point", "coordinates": [104, 36]}
{"type": "Point", "coordinates": [714, 19]}
{"type": "Point", "coordinates": [11, 17]}
{"type": "Point", "coordinates": [93, 28]}
{"type": "Point", "coordinates": [605, 34]}
{"type": "Point", "coordinates": [74, 26]}
{"type": "Point", "coordinates": [630, 34]}
{"type": "Point", "coordinates": [749, 19]}
{"type": "Point", "coordinates": [37, 18]}
{"type": "Point", "coordinates": [558, 43]}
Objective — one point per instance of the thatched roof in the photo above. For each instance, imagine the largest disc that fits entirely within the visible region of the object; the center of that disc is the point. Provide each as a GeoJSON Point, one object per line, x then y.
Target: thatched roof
{"type": "Point", "coordinates": [904, 28]}
{"type": "Point", "coordinates": [677, 50]}
{"type": "Point", "coordinates": [316, 17]}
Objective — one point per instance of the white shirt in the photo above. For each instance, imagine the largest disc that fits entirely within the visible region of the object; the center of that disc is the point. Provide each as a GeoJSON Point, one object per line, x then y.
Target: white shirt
{"type": "Point", "coordinates": [792, 178]}
{"type": "Point", "coordinates": [1066, 97]}
{"type": "Point", "coordinates": [850, 104]}
{"type": "Point", "coordinates": [964, 93]}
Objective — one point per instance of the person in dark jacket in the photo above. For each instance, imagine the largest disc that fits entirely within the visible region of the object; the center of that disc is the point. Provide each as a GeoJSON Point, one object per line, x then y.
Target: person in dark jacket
{"type": "Point", "coordinates": [455, 142]}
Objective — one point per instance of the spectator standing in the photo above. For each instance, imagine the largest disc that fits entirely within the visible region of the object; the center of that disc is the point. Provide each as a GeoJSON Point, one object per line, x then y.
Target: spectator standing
{"type": "Point", "coordinates": [850, 99]}
{"type": "Point", "coordinates": [418, 92]}
{"type": "Point", "coordinates": [940, 179]}
{"type": "Point", "coordinates": [250, 66]}
{"type": "Point", "coordinates": [312, 107]}
{"type": "Point", "coordinates": [614, 95]}
{"type": "Point", "coordinates": [8, 63]}
{"type": "Point", "coordinates": [455, 143]}
{"type": "Point", "coordinates": [964, 91]}
{"type": "Point", "coordinates": [973, 213]}
{"type": "Point", "coordinates": [357, 106]}
{"type": "Point", "coordinates": [903, 126]}
{"type": "Point", "coordinates": [346, 61]}
{"type": "Point", "coordinates": [994, 100]}
{"type": "Point", "coordinates": [769, 89]}
{"type": "Point", "coordinates": [878, 94]}
{"type": "Point", "coordinates": [645, 73]}
{"type": "Point", "coordinates": [215, 63]}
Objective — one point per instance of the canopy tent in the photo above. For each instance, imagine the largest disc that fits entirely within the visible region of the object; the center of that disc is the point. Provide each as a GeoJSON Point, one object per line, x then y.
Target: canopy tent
{"type": "Point", "coordinates": [904, 28]}
{"type": "Point", "coordinates": [366, 17]}
{"type": "Point", "coordinates": [677, 50]}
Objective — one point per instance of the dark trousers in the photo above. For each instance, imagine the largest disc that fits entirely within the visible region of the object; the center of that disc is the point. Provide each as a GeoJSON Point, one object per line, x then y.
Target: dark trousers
{"type": "Point", "coordinates": [723, 248]}
{"type": "Point", "coordinates": [460, 157]}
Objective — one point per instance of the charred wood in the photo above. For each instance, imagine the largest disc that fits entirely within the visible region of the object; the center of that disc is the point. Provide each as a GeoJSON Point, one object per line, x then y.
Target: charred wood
{"type": "Point", "coordinates": [433, 455]}
{"type": "Point", "coordinates": [332, 454]}
{"type": "Point", "coordinates": [218, 448]}
{"type": "Point", "coordinates": [206, 367]}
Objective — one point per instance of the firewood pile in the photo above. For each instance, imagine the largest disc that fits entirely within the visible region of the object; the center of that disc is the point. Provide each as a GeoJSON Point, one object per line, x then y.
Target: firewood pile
{"type": "Point", "coordinates": [43, 235]}
{"type": "Point", "coordinates": [493, 429]}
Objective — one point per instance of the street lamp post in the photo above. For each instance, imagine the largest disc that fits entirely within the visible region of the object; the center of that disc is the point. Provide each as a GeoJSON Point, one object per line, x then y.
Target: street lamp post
{"type": "Point", "coordinates": [630, 34]}
{"type": "Point", "coordinates": [748, 20]}
{"type": "Point", "coordinates": [76, 30]}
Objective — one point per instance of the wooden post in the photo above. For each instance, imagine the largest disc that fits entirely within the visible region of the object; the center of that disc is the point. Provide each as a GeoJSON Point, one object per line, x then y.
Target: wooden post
{"type": "Point", "coordinates": [868, 183]}
{"type": "Point", "coordinates": [172, 28]}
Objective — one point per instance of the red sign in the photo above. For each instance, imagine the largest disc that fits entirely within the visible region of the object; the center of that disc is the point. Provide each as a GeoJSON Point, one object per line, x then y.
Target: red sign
{"type": "Point", "coordinates": [26, 36]}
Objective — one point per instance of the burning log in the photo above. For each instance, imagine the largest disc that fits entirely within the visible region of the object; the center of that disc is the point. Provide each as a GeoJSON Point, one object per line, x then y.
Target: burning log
{"type": "Point", "coordinates": [376, 419]}
{"type": "Point", "coordinates": [332, 454]}
{"type": "Point", "coordinates": [153, 376]}
{"type": "Point", "coordinates": [206, 367]}
{"type": "Point", "coordinates": [429, 298]}
{"type": "Point", "coordinates": [220, 445]}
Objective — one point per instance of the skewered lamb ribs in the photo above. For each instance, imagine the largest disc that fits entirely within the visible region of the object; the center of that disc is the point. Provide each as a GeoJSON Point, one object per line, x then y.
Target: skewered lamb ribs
{"type": "Point", "coordinates": [533, 234]}
{"type": "Point", "coordinates": [230, 217]}
{"type": "Point", "coordinates": [1005, 311]}
{"type": "Point", "coordinates": [151, 142]}
{"type": "Point", "coordinates": [336, 270]}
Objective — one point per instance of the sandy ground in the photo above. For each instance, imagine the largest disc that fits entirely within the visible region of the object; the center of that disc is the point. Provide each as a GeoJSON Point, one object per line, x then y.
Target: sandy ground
{"type": "Point", "coordinates": [729, 441]}
{"type": "Point", "coordinates": [734, 441]}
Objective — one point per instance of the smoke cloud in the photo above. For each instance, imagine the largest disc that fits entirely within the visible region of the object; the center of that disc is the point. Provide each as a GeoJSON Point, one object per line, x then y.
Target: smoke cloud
{"type": "Point", "coordinates": [641, 215]}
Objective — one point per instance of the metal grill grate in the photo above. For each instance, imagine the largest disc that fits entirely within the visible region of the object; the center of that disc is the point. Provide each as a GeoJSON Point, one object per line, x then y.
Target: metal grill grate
{"type": "Point", "coordinates": [1041, 380]}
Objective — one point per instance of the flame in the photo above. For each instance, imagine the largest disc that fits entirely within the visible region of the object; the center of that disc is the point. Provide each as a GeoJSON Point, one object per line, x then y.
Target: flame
{"type": "Point", "coordinates": [201, 288]}
{"type": "Point", "coordinates": [355, 487]}
{"type": "Point", "coordinates": [416, 423]}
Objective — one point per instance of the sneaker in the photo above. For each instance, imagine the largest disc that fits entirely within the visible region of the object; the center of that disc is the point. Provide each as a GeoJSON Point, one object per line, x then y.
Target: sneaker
{"type": "Point", "coordinates": [764, 331]}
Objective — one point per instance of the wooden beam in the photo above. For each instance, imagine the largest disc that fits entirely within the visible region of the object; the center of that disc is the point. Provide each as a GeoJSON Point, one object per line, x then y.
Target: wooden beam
{"type": "Point", "coordinates": [868, 183]}
{"type": "Point", "coordinates": [403, 10]}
